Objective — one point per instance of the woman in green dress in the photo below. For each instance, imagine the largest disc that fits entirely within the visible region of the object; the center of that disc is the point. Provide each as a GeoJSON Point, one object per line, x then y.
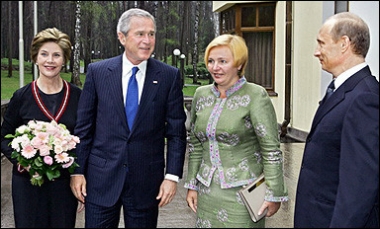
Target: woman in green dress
{"type": "Point", "coordinates": [233, 139]}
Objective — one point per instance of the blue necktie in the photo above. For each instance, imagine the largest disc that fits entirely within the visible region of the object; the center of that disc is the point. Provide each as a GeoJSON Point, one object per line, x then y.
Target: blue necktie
{"type": "Point", "coordinates": [329, 91]}
{"type": "Point", "coordinates": [132, 101]}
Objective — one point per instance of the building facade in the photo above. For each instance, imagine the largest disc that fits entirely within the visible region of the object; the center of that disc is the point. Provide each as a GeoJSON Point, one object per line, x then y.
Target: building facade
{"type": "Point", "coordinates": [281, 36]}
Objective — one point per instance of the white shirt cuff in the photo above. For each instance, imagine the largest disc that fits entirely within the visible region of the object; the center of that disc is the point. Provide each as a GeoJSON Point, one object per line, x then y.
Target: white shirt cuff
{"type": "Point", "coordinates": [172, 177]}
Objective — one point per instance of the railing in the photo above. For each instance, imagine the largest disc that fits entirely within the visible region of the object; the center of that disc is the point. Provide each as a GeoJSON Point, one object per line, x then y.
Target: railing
{"type": "Point", "coordinates": [4, 106]}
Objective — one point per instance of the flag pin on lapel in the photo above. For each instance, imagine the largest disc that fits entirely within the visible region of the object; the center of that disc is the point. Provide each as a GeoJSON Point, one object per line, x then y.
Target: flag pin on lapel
{"type": "Point", "coordinates": [155, 82]}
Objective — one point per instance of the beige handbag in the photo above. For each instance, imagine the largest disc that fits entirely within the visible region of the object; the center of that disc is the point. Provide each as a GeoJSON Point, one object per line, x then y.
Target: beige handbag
{"type": "Point", "coordinates": [253, 195]}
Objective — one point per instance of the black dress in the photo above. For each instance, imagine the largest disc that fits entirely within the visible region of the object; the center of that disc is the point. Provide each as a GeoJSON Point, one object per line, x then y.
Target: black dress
{"type": "Point", "coordinates": [52, 205]}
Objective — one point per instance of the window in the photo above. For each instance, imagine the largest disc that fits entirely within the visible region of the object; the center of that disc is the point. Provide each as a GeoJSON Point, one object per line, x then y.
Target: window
{"type": "Point", "coordinates": [256, 24]}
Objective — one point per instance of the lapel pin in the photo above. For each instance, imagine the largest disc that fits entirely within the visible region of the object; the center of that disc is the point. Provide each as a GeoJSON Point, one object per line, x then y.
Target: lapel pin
{"type": "Point", "coordinates": [155, 82]}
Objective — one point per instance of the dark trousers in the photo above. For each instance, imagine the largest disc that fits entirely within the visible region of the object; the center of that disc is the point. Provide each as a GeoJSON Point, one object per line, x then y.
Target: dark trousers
{"type": "Point", "coordinates": [109, 217]}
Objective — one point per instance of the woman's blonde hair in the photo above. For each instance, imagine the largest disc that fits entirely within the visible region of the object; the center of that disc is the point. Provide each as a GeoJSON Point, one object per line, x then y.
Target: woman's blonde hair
{"type": "Point", "coordinates": [237, 46]}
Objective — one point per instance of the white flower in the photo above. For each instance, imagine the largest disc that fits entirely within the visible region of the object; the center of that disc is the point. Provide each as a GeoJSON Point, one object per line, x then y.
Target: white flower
{"type": "Point", "coordinates": [44, 147]}
{"type": "Point", "coordinates": [23, 129]}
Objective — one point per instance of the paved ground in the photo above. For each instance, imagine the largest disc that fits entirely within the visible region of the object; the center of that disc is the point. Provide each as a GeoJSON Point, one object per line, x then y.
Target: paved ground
{"type": "Point", "coordinates": [177, 214]}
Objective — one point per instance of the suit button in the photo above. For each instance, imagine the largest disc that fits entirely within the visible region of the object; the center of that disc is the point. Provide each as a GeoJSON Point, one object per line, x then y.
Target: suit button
{"type": "Point", "coordinates": [125, 165]}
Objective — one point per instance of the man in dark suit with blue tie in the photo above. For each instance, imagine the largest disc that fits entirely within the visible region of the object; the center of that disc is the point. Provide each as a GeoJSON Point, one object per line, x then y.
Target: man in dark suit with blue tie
{"type": "Point", "coordinates": [122, 159]}
{"type": "Point", "coordinates": [338, 185]}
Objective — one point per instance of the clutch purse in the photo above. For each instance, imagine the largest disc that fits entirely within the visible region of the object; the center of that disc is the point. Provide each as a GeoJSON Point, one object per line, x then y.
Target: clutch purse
{"type": "Point", "coordinates": [252, 196]}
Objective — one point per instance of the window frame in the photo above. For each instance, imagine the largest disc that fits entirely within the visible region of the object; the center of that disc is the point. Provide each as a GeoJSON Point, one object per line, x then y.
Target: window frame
{"type": "Point", "coordinates": [231, 22]}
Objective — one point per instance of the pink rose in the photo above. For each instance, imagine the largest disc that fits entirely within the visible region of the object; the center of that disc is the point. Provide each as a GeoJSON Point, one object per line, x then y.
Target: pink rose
{"type": "Point", "coordinates": [48, 160]}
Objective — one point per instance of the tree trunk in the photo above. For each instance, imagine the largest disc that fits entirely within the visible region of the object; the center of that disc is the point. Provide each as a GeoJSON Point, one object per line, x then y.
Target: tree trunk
{"type": "Point", "coordinates": [75, 77]}
{"type": "Point", "coordinates": [10, 48]}
{"type": "Point", "coordinates": [195, 51]}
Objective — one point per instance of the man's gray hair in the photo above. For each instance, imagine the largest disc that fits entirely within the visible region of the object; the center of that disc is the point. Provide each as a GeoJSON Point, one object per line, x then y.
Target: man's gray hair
{"type": "Point", "coordinates": [125, 20]}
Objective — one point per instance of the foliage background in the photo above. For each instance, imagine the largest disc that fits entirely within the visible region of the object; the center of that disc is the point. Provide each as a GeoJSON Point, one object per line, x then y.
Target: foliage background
{"type": "Point", "coordinates": [186, 25]}
{"type": "Point", "coordinates": [10, 84]}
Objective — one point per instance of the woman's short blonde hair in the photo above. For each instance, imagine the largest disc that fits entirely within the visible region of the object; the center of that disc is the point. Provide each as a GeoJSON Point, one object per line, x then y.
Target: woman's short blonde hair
{"type": "Point", "coordinates": [237, 46]}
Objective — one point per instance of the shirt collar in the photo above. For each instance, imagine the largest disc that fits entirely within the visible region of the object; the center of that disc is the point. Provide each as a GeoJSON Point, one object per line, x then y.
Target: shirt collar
{"type": "Point", "coordinates": [127, 65]}
{"type": "Point", "coordinates": [339, 80]}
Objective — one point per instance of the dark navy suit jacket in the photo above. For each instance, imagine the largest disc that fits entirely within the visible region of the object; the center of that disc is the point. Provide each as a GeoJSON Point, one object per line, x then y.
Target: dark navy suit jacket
{"type": "Point", "coordinates": [109, 153]}
{"type": "Point", "coordinates": [338, 184]}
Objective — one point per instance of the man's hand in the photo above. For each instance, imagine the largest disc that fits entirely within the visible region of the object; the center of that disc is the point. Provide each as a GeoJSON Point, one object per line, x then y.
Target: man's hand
{"type": "Point", "coordinates": [80, 206]}
{"type": "Point", "coordinates": [167, 192]}
{"type": "Point", "coordinates": [78, 187]}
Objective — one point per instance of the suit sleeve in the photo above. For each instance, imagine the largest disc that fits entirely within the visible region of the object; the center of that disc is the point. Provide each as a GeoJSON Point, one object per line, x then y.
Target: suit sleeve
{"type": "Point", "coordinates": [359, 163]}
{"type": "Point", "coordinates": [86, 117]}
{"type": "Point", "coordinates": [175, 129]}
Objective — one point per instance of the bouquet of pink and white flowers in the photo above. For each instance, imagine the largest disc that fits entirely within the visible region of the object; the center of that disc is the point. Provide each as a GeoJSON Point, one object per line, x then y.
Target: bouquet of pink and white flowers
{"type": "Point", "coordinates": [43, 148]}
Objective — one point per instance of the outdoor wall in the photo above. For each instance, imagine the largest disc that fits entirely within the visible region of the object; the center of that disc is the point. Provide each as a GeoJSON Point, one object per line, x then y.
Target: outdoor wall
{"type": "Point", "coordinates": [280, 49]}
{"type": "Point", "coordinates": [306, 69]}
{"type": "Point", "coordinates": [369, 11]}
{"type": "Point", "coordinates": [308, 80]}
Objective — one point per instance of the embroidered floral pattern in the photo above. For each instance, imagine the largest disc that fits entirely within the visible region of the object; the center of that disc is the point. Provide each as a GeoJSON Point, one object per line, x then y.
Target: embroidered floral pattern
{"type": "Point", "coordinates": [201, 136]}
{"type": "Point", "coordinates": [192, 184]}
{"type": "Point", "coordinates": [222, 215]}
{"type": "Point", "coordinates": [233, 103]}
{"type": "Point", "coordinates": [238, 199]}
{"type": "Point", "coordinates": [203, 223]}
{"type": "Point", "coordinates": [243, 165]}
{"type": "Point", "coordinates": [275, 157]}
{"type": "Point", "coordinates": [205, 170]}
{"type": "Point", "coordinates": [231, 174]}
{"type": "Point", "coordinates": [222, 160]}
{"type": "Point", "coordinates": [247, 122]}
{"type": "Point", "coordinates": [202, 189]}
{"type": "Point", "coordinates": [258, 155]}
{"type": "Point", "coordinates": [203, 102]}
{"type": "Point", "coordinates": [260, 130]}
{"type": "Point", "coordinates": [245, 100]}
{"type": "Point", "coordinates": [228, 139]}
{"type": "Point", "coordinates": [216, 178]}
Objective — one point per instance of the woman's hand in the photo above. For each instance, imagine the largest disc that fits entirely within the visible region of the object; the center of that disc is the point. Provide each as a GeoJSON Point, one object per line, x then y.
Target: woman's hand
{"type": "Point", "coordinates": [192, 199]}
{"type": "Point", "coordinates": [272, 208]}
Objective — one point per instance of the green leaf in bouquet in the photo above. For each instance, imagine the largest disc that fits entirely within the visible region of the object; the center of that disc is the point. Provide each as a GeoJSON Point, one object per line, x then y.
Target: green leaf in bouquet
{"type": "Point", "coordinates": [37, 180]}
{"type": "Point", "coordinates": [15, 154]}
{"type": "Point", "coordinates": [23, 162]}
{"type": "Point", "coordinates": [38, 162]}
{"type": "Point", "coordinates": [72, 167]}
{"type": "Point", "coordinates": [10, 136]}
{"type": "Point", "coordinates": [51, 174]}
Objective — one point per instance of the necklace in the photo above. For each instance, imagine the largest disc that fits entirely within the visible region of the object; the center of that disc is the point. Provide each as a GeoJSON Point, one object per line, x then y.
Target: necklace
{"type": "Point", "coordinates": [41, 105]}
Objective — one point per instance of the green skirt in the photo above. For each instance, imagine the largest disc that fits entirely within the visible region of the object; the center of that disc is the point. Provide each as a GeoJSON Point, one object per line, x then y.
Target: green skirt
{"type": "Point", "coordinates": [222, 208]}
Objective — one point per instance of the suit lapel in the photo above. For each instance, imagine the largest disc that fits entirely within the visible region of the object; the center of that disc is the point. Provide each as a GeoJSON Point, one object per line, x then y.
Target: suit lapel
{"type": "Point", "coordinates": [114, 77]}
{"type": "Point", "coordinates": [151, 85]}
{"type": "Point", "coordinates": [339, 95]}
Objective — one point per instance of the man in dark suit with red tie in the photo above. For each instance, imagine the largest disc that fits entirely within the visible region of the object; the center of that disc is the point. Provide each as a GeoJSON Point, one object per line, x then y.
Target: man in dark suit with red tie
{"type": "Point", "coordinates": [124, 165]}
{"type": "Point", "coordinates": [338, 185]}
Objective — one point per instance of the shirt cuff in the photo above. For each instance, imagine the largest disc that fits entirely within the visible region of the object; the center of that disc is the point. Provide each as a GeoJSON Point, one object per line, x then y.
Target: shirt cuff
{"type": "Point", "coordinates": [172, 177]}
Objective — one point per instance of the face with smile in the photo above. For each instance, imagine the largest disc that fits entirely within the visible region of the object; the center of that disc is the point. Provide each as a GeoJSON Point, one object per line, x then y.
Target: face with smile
{"type": "Point", "coordinates": [140, 40]}
{"type": "Point", "coordinates": [50, 59]}
{"type": "Point", "coordinates": [220, 64]}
